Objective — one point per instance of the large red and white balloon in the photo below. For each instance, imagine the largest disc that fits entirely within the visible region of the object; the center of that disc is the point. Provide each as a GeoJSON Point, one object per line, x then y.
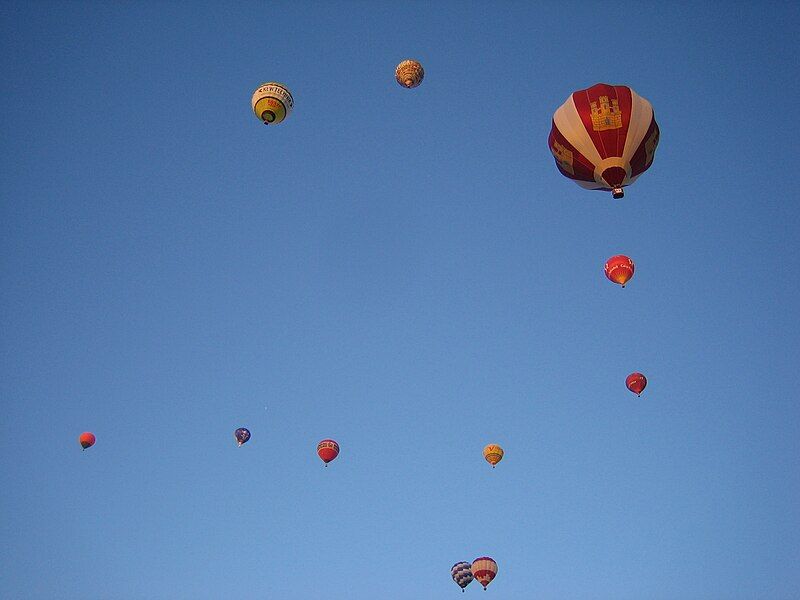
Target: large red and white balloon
{"type": "Point", "coordinates": [604, 137]}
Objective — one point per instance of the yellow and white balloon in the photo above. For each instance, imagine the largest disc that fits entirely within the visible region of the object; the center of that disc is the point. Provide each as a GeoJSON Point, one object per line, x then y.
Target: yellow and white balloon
{"type": "Point", "coordinates": [272, 102]}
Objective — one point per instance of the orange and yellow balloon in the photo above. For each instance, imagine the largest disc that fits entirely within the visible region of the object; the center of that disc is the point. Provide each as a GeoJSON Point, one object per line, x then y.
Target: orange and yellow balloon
{"type": "Point", "coordinates": [409, 73]}
{"type": "Point", "coordinates": [493, 454]}
{"type": "Point", "coordinates": [484, 569]}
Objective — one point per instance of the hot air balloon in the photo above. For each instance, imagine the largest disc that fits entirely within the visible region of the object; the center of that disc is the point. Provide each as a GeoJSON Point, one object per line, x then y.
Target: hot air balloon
{"type": "Point", "coordinates": [484, 570]}
{"type": "Point", "coordinates": [272, 102]}
{"type": "Point", "coordinates": [409, 73]}
{"type": "Point", "coordinates": [493, 454]}
{"type": "Point", "coordinates": [462, 574]}
{"type": "Point", "coordinates": [619, 269]}
{"type": "Point", "coordinates": [241, 435]}
{"type": "Point", "coordinates": [86, 439]}
{"type": "Point", "coordinates": [327, 450]}
{"type": "Point", "coordinates": [604, 137]}
{"type": "Point", "coordinates": [636, 382]}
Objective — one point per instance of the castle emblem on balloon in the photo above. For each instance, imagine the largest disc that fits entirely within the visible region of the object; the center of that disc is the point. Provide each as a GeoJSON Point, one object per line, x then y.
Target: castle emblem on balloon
{"type": "Point", "coordinates": [607, 116]}
{"type": "Point", "coordinates": [563, 157]}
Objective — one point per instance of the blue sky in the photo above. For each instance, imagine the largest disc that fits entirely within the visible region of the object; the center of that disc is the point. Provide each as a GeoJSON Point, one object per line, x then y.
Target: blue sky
{"type": "Point", "coordinates": [405, 272]}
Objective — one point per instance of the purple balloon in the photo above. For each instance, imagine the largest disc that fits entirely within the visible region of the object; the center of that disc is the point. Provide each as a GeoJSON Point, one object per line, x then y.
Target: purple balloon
{"type": "Point", "coordinates": [241, 435]}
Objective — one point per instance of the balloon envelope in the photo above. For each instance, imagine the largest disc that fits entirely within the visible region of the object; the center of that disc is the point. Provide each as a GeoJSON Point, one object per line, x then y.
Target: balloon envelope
{"type": "Point", "coordinates": [493, 454]}
{"type": "Point", "coordinates": [619, 269]}
{"type": "Point", "coordinates": [636, 382]}
{"type": "Point", "coordinates": [484, 570]}
{"type": "Point", "coordinates": [272, 102]}
{"type": "Point", "coordinates": [461, 573]}
{"type": "Point", "coordinates": [241, 435]}
{"type": "Point", "coordinates": [86, 439]}
{"type": "Point", "coordinates": [328, 450]}
{"type": "Point", "coordinates": [409, 73]}
{"type": "Point", "coordinates": [604, 137]}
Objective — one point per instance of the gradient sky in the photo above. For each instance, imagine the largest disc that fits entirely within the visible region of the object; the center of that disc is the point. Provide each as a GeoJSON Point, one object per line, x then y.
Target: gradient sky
{"type": "Point", "coordinates": [407, 273]}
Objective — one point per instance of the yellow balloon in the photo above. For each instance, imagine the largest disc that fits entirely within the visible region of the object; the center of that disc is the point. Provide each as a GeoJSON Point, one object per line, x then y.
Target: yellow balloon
{"type": "Point", "coordinates": [493, 454]}
{"type": "Point", "coordinates": [272, 102]}
{"type": "Point", "coordinates": [409, 73]}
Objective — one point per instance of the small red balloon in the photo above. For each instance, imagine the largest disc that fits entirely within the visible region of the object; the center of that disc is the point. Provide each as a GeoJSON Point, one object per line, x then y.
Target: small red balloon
{"type": "Point", "coordinates": [619, 269]}
{"type": "Point", "coordinates": [328, 450]}
{"type": "Point", "coordinates": [86, 439]}
{"type": "Point", "coordinates": [636, 382]}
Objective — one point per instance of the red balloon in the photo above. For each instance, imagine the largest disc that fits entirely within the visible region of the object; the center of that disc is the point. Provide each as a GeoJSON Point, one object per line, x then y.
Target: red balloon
{"type": "Point", "coordinates": [86, 439]}
{"type": "Point", "coordinates": [328, 450]}
{"type": "Point", "coordinates": [636, 382]}
{"type": "Point", "coordinates": [619, 269]}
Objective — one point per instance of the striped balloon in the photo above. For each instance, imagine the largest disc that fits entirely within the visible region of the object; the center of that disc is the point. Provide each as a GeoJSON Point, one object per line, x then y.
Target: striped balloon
{"type": "Point", "coordinates": [462, 574]}
{"type": "Point", "coordinates": [604, 137]}
{"type": "Point", "coordinates": [409, 73]}
{"type": "Point", "coordinates": [484, 570]}
{"type": "Point", "coordinates": [493, 454]}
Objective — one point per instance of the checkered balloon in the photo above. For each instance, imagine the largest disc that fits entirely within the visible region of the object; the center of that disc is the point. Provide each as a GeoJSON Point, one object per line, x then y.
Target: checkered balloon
{"type": "Point", "coordinates": [462, 574]}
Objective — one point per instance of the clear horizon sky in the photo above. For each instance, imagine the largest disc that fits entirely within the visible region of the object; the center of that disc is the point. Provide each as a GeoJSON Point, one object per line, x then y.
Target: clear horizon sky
{"type": "Point", "coordinates": [404, 271]}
